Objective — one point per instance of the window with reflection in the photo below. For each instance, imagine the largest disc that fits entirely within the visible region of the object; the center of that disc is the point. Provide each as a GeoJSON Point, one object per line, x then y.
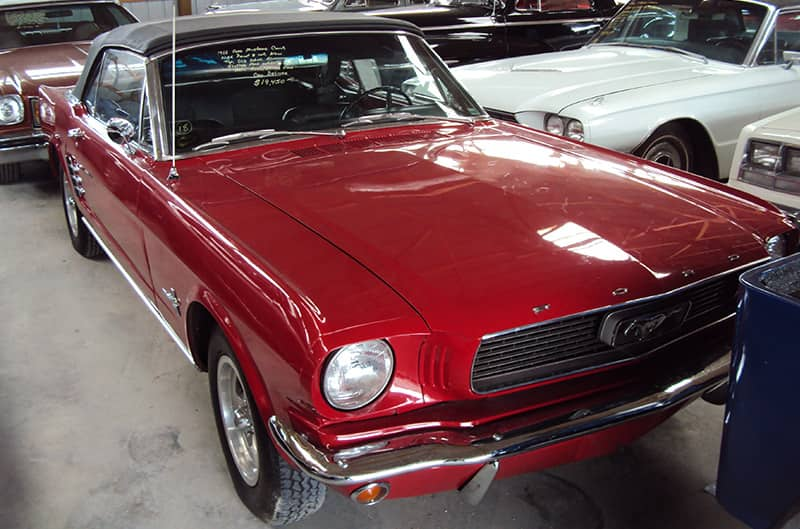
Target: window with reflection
{"type": "Point", "coordinates": [721, 30]}
{"type": "Point", "coordinates": [116, 89]}
{"type": "Point", "coordinates": [309, 83]}
{"type": "Point", "coordinates": [784, 37]}
{"type": "Point", "coordinates": [58, 23]}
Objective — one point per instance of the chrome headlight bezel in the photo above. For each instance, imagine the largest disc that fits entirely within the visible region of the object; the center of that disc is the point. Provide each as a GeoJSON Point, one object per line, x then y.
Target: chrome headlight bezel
{"type": "Point", "coordinates": [574, 130]}
{"type": "Point", "coordinates": [554, 124]}
{"type": "Point", "coordinates": [12, 110]}
{"type": "Point", "coordinates": [349, 366]}
{"type": "Point", "coordinates": [776, 246]}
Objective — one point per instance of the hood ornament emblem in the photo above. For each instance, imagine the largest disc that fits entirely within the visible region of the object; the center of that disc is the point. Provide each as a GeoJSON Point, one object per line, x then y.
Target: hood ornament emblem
{"type": "Point", "coordinates": [619, 291]}
{"type": "Point", "coordinates": [541, 308]}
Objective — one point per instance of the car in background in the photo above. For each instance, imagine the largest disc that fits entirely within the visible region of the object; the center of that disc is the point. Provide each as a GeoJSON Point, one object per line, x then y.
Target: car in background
{"type": "Point", "coordinates": [768, 161]}
{"type": "Point", "coordinates": [42, 43]}
{"type": "Point", "coordinates": [469, 31]}
{"type": "Point", "coordinates": [393, 293]}
{"type": "Point", "coordinates": [671, 81]}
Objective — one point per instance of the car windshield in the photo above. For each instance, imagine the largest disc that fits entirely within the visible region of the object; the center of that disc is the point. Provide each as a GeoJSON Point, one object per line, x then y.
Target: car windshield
{"type": "Point", "coordinates": [58, 23]}
{"type": "Point", "coordinates": [721, 30]}
{"type": "Point", "coordinates": [307, 84]}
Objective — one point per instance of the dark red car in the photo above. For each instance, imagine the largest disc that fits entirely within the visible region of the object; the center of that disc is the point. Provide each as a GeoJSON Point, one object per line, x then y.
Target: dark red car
{"type": "Point", "coordinates": [42, 43]}
{"type": "Point", "coordinates": [393, 294]}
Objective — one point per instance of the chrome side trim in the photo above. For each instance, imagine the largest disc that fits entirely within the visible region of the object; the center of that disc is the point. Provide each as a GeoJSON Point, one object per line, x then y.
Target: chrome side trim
{"type": "Point", "coordinates": [626, 303]}
{"type": "Point", "coordinates": [383, 465]}
{"type": "Point", "coordinates": [518, 23]}
{"type": "Point", "coordinates": [147, 301]}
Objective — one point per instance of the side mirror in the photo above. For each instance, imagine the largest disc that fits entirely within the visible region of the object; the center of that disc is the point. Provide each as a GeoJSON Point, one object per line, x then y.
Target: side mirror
{"type": "Point", "coordinates": [122, 132]}
{"type": "Point", "coordinates": [791, 58]}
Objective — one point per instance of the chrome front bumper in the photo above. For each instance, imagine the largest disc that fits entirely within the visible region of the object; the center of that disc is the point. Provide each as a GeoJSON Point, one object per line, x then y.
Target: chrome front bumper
{"type": "Point", "coordinates": [25, 148]}
{"type": "Point", "coordinates": [382, 465]}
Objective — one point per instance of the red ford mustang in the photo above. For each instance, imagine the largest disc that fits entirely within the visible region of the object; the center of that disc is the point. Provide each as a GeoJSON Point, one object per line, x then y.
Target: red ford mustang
{"type": "Point", "coordinates": [393, 294]}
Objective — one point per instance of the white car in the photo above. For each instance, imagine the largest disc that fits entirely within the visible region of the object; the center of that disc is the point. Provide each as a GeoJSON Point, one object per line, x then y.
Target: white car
{"type": "Point", "coordinates": [769, 155]}
{"type": "Point", "coordinates": [671, 81]}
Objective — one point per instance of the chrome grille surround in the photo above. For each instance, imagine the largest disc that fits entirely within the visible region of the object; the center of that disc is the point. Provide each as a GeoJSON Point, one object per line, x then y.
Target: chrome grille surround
{"type": "Point", "coordinates": [571, 344]}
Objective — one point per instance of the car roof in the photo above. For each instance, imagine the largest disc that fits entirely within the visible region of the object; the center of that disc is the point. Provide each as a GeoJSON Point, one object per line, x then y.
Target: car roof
{"type": "Point", "coordinates": [151, 38]}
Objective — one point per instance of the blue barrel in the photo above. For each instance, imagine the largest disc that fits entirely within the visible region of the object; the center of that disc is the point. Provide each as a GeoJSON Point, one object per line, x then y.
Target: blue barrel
{"type": "Point", "coordinates": [758, 479]}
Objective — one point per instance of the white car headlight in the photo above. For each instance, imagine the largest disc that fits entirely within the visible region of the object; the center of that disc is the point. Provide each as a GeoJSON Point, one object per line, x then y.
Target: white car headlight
{"type": "Point", "coordinates": [554, 124]}
{"type": "Point", "coordinates": [574, 130]}
{"type": "Point", "coordinates": [766, 155]}
{"type": "Point", "coordinates": [776, 246]}
{"type": "Point", "coordinates": [792, 161]}
{"type": "Point", "coordinates": [12, 111]}
{"type": "Point", "coordinates": [357, 374]}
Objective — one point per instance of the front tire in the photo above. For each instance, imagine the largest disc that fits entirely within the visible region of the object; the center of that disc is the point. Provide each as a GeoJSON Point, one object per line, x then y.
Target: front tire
{"type": "Point", "coordinates": [82, 240]}
{"type": "Point", "coordinates": [272, 490]}
{"type": "Point", "coordinates": [669, 145]}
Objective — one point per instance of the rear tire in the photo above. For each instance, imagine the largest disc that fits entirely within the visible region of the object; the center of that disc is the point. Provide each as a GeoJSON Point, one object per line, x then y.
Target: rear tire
{"type": "Point", "coordinates": [272, 490]}
{"type": "Point", "coordinates": [669, 145]}
{"type": "Point", "coordinates": [82, 240]}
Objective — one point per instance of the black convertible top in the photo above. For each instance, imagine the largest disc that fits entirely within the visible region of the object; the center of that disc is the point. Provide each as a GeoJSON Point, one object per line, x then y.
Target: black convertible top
{"type": "Point", "coordinates": [149, 38]}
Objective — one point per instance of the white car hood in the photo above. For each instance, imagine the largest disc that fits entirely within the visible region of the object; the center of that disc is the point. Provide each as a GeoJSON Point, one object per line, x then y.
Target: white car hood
{"type": "Point", "coordinates": [553, 81]}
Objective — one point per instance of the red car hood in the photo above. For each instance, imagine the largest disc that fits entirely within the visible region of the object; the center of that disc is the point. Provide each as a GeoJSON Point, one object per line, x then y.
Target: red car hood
{"type": "Point", "coordinates": [23, 70]}
{"type": "Point", "coordinates": [475, 228]}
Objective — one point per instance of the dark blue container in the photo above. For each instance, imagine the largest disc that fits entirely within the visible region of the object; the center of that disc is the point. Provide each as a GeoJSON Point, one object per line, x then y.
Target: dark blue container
{"type": "Point", "coordinates": [759, 470]}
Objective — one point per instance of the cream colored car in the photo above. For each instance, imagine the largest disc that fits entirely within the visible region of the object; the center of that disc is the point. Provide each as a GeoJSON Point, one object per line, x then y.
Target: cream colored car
{"type": "Point", "coordinates": [768, 152]}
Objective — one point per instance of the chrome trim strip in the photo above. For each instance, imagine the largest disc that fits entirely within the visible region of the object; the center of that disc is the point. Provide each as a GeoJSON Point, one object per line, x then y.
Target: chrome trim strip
{"type": "Point", "coordinates": [508, 24]}
{"type": "Point", "coordinates": [147, 301]}
{"type": "Point", "coordinates": [383, 465]}
{"type": "Point", "coordinates": [626, 303]}
{"type": "Point", "coordinates": [593, 367]}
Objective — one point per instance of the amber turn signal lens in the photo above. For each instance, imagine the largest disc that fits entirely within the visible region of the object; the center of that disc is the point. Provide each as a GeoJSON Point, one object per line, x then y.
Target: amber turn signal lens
{"type": "Point", "coordinates": [370, 494]}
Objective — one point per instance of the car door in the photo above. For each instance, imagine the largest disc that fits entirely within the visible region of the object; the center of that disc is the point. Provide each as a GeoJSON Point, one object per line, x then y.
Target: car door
{"type": "Point", "coordinates": [108, 174]}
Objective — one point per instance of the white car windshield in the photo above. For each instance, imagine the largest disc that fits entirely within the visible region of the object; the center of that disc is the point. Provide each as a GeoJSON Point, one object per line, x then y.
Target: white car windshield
{"type": "Point", "coordinates": [315, 83]}
{"type": "Point", "coordinates": [721, 30]}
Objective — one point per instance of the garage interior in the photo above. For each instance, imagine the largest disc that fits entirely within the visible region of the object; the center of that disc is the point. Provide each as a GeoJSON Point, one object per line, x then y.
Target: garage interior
{"type": "Point", "coordinates": [106, 425]}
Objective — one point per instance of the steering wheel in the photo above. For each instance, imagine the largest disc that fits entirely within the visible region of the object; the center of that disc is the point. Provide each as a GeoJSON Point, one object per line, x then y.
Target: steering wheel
{"type": "Point", "coordinates": [389, 89]}
{"type": "Point", "coordinates": [736, 42]}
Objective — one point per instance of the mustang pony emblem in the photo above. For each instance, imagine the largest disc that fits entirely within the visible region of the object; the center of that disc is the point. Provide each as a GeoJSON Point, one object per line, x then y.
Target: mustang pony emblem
{"type": "Point", "coordinates": [642, 329]}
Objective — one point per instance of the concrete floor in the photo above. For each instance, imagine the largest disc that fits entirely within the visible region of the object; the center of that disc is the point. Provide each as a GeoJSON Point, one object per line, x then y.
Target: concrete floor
{"type": "Point", "coordinates": [103, 424]}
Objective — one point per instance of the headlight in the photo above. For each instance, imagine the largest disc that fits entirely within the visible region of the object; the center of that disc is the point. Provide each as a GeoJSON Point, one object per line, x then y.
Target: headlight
{"type": "Point", "coordinates": [766, 155]}
{"type": "Point", "coordinates": [574, 130]}
{"type": "Point", "coordinates": [357, 374]}
{"type": "Point", "coordinates": [776, 246]}
{"type": "Point", "coordinates": [12, 111]}
{"type": "Point", "coordinates": [554, 124]}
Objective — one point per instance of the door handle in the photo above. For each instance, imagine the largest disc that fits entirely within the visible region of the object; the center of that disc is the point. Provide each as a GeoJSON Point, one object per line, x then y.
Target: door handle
{"type": "Point", "coordinates": [76, 133]}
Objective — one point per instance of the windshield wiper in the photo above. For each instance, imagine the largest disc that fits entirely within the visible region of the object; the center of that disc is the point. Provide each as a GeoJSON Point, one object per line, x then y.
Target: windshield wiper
{"type": "Point", "coordinates": [403, 116]}
{"type": "Point", "coordinates": [262, 134]}
{"type": "Point", "coordinates": [673, 49]}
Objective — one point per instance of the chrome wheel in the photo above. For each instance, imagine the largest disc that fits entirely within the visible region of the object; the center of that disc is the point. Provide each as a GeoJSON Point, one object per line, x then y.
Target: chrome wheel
{"type": "Point", "coordinates": [71, 208]}
{"type": "Point", "coordinates": [237, 420]}
{"type": "Point", "coordinates": [669, 151]}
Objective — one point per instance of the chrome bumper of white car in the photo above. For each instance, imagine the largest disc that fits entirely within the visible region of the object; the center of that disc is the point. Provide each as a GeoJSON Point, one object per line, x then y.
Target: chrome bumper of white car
{"type": "Point", "coordinates": [667, 393]}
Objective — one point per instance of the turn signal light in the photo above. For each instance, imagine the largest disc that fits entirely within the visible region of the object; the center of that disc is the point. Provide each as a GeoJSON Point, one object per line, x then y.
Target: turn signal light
{"type": "Point", "coordinates": [370, 494]}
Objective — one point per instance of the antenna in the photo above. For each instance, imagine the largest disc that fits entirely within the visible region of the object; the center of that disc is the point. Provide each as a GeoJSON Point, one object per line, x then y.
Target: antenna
{"type": "Point", "coordinates": [173, 171]}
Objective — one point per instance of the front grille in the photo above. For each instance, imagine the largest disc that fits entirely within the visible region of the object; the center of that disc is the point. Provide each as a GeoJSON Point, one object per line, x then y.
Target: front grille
{"type": "Point", "coordinates": [572, 344]}
{"type": "Point", "coordinates": [502, 115]}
